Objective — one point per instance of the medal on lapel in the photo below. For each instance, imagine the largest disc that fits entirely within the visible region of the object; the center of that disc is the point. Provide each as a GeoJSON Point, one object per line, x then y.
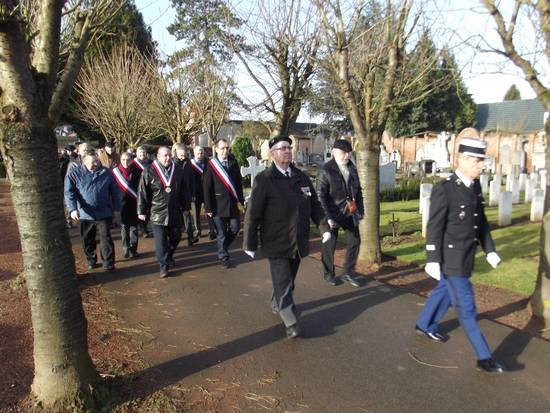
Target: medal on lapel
{"type": "Point", "coordinates": [168, 189]}
{"type": "Point", "coordinates": [462, 215]}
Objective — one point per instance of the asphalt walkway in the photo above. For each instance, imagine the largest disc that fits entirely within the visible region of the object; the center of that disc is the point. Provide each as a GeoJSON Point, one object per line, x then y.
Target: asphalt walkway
{"type": "Point", "coordinates": [211, 340]}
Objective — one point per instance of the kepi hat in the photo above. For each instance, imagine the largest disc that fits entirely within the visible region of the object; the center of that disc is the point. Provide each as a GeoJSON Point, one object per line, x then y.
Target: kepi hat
{"type": "Point", "coordinates": [473, 147]}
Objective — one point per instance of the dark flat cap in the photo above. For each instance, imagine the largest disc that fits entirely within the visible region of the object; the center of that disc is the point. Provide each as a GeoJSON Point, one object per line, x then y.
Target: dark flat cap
{"type": "Point", "coordinates": [110, 144]}
{"type": "Point", "coordinates": [278, 139]}
{"type": "Point", "coordinates": [343, 145]}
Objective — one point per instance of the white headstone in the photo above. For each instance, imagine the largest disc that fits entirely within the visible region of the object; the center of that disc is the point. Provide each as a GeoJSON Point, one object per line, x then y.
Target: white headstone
{"type": "Point", "coordinates": [534, 180]}
{"type": "Point", "coordinates": [528, 191]}
{"type": "Point", "coordinates": [509, 180]}
{"type": "Point", "coordinates": [498, 178]}
{"type": "Point", "coordinates": [537, 205]}
{"type": "Point", "coordinates": [384, 156]}
{"type": "Point", "coordinates": [441, 154]}
{"type": "Point", "coordinates": [494, 191]}
{"type": "Point", "coordinates": [484, 181]}
{"type": "Point", "coordinates": [522, 179]}
{"type": "Point", "coordinates": [254, 168]}
{"type": "Point", "coordinates": [543, 178]}
{"type": "Point", "coordinates": [387, 175]}
{"type": "Point", "coordinates": [425, 191]}
{"type": "Point", "coordinates": [425, 215]}
{"type": "Point", "coordinates": [395, 157]}
{"type": "Point", "coordinates": [514, 188]}
{"type": "Point", "coordinates": [505, 208]}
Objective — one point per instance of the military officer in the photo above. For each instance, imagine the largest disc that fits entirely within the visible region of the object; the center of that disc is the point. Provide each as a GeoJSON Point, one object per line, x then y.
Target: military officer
{"type": "Point", "coordinates": [456, 225]}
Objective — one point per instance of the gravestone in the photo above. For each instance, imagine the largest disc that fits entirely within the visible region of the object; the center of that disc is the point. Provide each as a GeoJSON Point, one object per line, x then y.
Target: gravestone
{"type": "Point", "coordinates": [514, 189]}
{"type": "Point", "coordinates": [425, 214]}
{"type": "Point", "coordinates": [543, 178]}
{"type": "Point", "coordinates": [494, 191]}
{"type": "Point", "coordinates": [509, 180]}
{"type": "Point", "coordinates": [441, 154]}
{"type": "Point", "coordinates": [395, 157]}
{"type": "Point", "coordinates": [425, 191]}
{"type": "Point", "coordinates": [505, 208]}
{"type": "Point", "coordinates": [387, 175]}
{"type": "Point", "coordinates": [484, 182]}
{"type": "Point", "coordinates": [253, 169]}
{"type": "Point", "coordinates": [522, 179]}
{"type": "Point", "coordinates": [534, 180]}
{"type": "Point", "coordinates": [384, 156]}
{"type": "Point", "coordinates": [537, 205]}
{"type": "Point", "coordinates": [528, 191]}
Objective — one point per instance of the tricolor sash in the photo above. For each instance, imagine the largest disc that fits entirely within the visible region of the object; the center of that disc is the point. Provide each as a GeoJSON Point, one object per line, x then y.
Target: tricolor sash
{"type": "Point", "coordinates": [139, 164]}
{"type": "Point", "coordinates": [224, 177]}
{"type": "Point", "coordinates": [196, 166]}
{"type": "Point", "coordinates": [167, 183]}
{"type": "Point", "coordinates": [123, 183]}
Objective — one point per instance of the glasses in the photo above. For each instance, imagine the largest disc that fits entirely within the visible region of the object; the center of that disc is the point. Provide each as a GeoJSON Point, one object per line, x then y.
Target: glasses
{"type": "Point", "coordinates": [283, 148]}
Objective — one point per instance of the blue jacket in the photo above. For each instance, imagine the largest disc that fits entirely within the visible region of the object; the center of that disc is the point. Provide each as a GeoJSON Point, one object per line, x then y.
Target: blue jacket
{"type": "Point", "coordinates": [93, 194]}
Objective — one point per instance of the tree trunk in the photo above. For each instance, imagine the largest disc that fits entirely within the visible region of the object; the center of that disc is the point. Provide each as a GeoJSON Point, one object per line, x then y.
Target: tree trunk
{"type": "Point", "coordinates": [63, 368]}
{"type": "Point", "coordinates": [367, 168]}
{"type": "Point", "coordinates": [540, 300]}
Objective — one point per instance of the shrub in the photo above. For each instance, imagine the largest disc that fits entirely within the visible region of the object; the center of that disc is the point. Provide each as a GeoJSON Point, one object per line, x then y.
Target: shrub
{"type": "Point", "coordinates": [405, 190]}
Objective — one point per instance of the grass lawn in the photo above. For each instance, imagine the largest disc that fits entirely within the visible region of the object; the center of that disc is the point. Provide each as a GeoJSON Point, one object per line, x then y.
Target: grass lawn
{"type": "Point", "coordinates": [516, 244]}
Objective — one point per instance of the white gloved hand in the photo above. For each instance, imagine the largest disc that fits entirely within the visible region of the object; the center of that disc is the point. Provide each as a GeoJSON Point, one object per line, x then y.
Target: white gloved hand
{"type": "Point", "coordinates": [251, 254]}
{"type": "Point", "coordinates": [326, 236]}
{"type": "Point", "coordinates": [434, 270]}
{"type": "Point", "coordinates": [493, 259]}
{"type": "Point", "coordinates": [332, 224]}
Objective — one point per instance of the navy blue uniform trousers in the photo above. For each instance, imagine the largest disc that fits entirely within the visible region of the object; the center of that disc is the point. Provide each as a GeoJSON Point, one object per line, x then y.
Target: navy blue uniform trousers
{"type": "Point", "coordinates": [457, 291]}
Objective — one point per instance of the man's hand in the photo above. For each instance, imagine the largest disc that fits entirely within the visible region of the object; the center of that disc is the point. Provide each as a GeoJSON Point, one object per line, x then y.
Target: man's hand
{"type": "Point", "coordinates": [251, 254]}
{"type": "Point", "coordinates": [332, 224]}
{"type": "Point", "coordinates": [142, 217]}
{"type": "Point", "coordinates": [209, 214]}
{"type": "Point", "coordinates": [74, 215]}
{"type": "Point", "coordinates": [493, 259]}
{"type": "Point", "coordinates": [326, 236]}
{"type": "Point", "coordinates": [434, 270]}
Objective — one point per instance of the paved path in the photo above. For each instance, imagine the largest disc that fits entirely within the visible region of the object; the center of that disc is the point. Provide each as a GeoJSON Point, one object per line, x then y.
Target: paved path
{"type": "Point", "coordinates": [211, 339]}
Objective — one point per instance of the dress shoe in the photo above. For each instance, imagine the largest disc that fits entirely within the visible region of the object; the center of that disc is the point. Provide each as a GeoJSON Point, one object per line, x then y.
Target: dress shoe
{"type": "Point", "coordinates": [134, 254]}
{"type": "Point", "coordinates": [212, 235]}
{"type": "Point", "coordinates": [91, 265]}
{"type": "Point", "coordinates": [351, 280]}
{"type": "Point", "coordinates": [226, 263]}
{"type": "Point", "coordinates": [163, 272]}
{"type": "Point", "coordinates": [293, 331]}
{"type": "Point", "coordinates": [438, 338]}
{"type": "Point", "coordinates": [126, 255]}
{"type": "Point", "coordinates": [109, 267]}
{"type": "Point", "coordinates": [490, 366]}
{"type": "Point", "coordinates": [147, 235]}
{"type": "Point", "coordinates": [332, 280]}
{"type": "Point", "coordinates": [170, 262]}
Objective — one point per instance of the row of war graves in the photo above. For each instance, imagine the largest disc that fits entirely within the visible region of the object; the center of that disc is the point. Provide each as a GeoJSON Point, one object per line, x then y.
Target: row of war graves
{"type": "Point", "coordinates": [532, 186]}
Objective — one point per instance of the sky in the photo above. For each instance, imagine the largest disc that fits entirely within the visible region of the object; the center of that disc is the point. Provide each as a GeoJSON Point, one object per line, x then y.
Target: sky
{"type": "Point", "coordinates": [486, 78]}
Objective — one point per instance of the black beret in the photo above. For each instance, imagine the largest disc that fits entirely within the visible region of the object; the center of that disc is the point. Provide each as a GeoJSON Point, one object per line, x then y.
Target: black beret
{"type": "Point", "coordinates": [343, 145]}
{"type": "Point", "coordinates": [278, 139]}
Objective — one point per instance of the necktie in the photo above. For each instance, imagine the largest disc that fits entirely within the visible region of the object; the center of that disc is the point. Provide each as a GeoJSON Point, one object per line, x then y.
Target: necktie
{"type": "Point", "coordinates": [287, 174]}
{"type": "Point", "coordinates": [224, 163]}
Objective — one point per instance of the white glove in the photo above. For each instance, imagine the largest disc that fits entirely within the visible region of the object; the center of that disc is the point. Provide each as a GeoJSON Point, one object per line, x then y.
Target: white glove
{"type": "Point", "coordinates": [434, 270]}
{"type": "Point", "coordinates": [251, 254]}
{"type": "Point", "coordinates": [326, 236]}
{"type": "Point", "coordinates": [332, 224]}
{"type": "Point", "coordinates": [493, 259]}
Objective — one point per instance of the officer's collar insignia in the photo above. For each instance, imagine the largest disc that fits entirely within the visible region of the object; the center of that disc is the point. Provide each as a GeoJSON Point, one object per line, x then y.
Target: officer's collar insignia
{"type": "Point", "coordinates": [458, 182]}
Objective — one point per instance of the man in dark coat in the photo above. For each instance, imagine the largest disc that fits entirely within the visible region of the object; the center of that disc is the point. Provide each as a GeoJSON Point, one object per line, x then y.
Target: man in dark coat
{"type": "Point", "coordinates": [199, 164]}
{"type": "Point", "coordinates": [142, 161]}
{"type": "Point", "coordinates": [456, 225]}
{"type": "Point", "coordinates": [340, 194]}
{"type": "Point", "coordinates": [92, 198]}
{"type": "Point", "coordinates": [164, 195]}
{"type": "Point", "coordinates": [281, 204]}
{"type": "Point", "coordinates": [223, 191]}
{"type": "Point", "coordinates": [127, 176]}
{"type": "Point", "coordinates": [182, 160]}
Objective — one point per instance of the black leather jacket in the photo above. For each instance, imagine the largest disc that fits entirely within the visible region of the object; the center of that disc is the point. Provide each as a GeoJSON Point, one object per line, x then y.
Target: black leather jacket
{"type": "Point", "coordinates": [164, 208]}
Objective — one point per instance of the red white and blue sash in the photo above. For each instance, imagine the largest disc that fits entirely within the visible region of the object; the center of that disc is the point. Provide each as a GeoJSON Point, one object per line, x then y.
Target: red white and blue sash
{"type": "Point", "coordinates": [224, 177]}
{"type": "Point", "coordinates": [139, 164]}
{"type": "Point", "coordinates": [123, 182]}
{"type": "Point", "coordinates": [167, 183]}
{"type": "Point", "coordinates": [196, 166]}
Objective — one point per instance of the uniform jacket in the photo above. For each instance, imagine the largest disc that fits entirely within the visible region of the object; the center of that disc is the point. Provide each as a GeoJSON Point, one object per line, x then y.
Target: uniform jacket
{"type": "Point", "coordinates": [185, 165]}
{"type": "Point", "coordinates": [94, 194]}
{"type": "Point", "coordinates": [217, 197]}
{"type": "Point", "coordinates": [333, 193]}
{"type": "Point", "coordinates": [456, 225]}
{"type": "Point", "coordinates": [128, 204]}
{"type": "Point", "coordinates": [198, 180]}
{"type": "Point", "coordinates": [164, 208]}
{"type": "Point", "coordinates": [280, 209]}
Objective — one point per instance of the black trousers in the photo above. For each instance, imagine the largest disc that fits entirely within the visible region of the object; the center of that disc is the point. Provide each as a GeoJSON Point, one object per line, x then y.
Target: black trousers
{"type": "Point", "coordinates": [197, 206]}
{"type": "Point", "coordinates": [167, 239]}
{"type": "Point", "coordinates": [353, 241]}
{"type": "Point", "coordinates": [129, 236]}
{"type": "Point", "coordinates": [283, 274]}
{"type": "Point", "coordinates": [88, 231]}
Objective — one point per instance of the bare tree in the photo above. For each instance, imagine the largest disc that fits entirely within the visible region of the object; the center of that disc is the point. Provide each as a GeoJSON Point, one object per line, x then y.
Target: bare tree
{"type": "Point", "coordinates": [35, 85]}
{"type": "Point", "coordinates": [366, 45]}
{"type": "Point", "coordinates": [533, 62]}
{"type": "Point", "coordinates": [118, 95]}
{"type": "Point", "coordinates": [281, 58]}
